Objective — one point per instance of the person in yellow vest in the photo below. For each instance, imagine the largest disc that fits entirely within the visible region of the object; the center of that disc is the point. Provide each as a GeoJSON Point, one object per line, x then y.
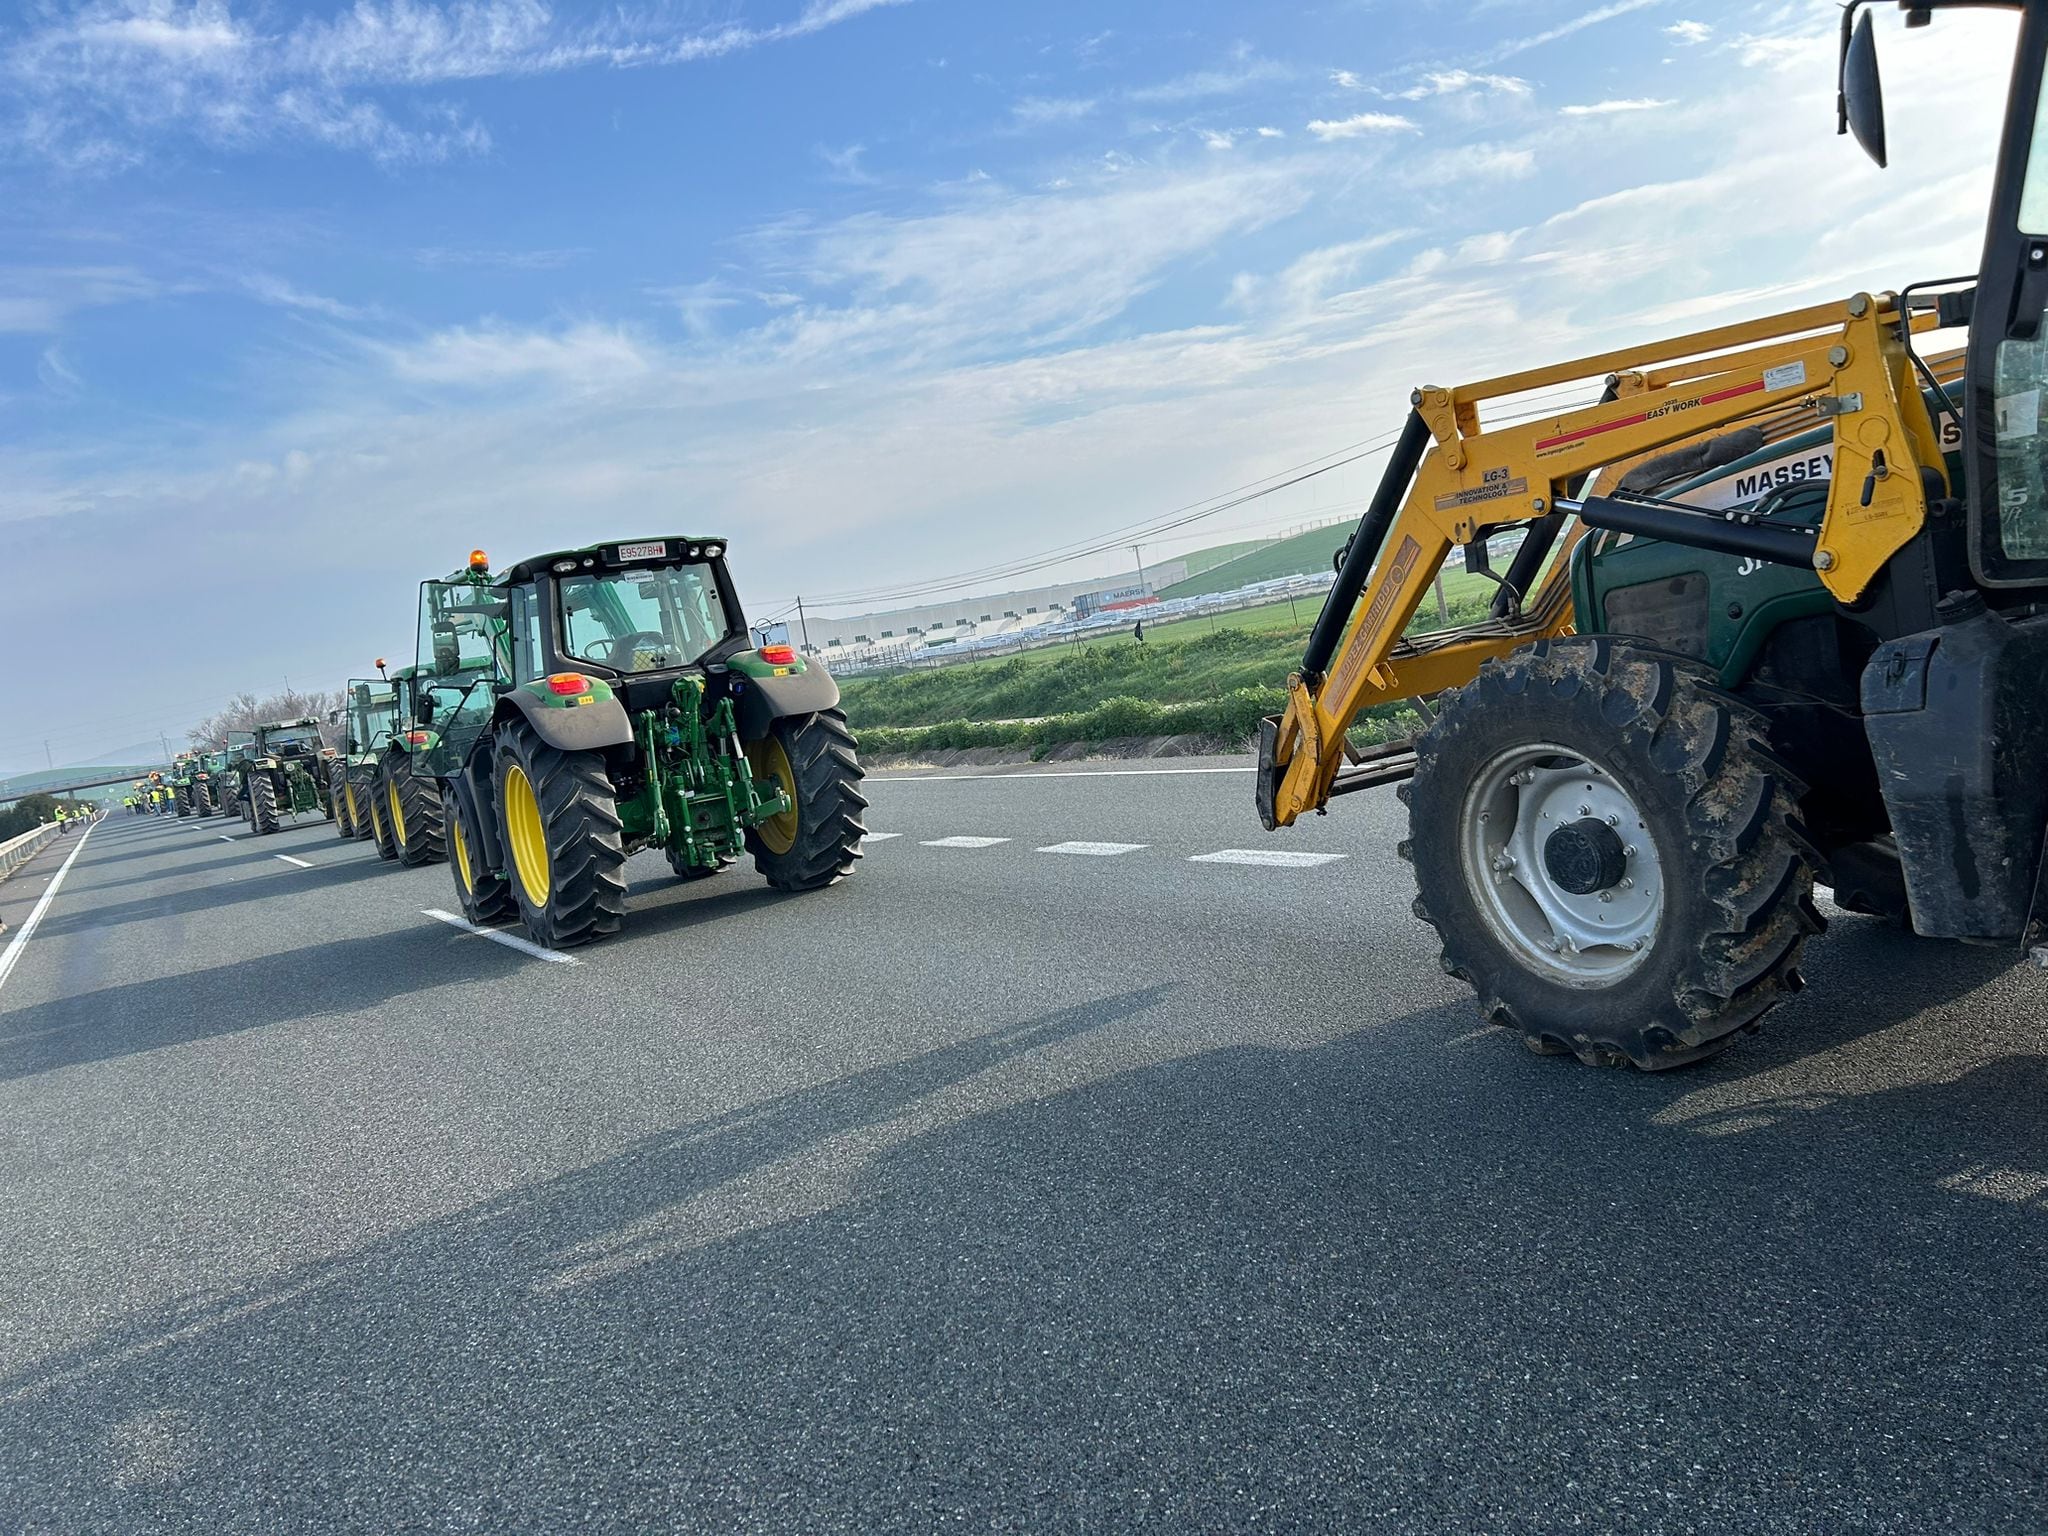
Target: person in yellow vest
{"type": "Point", "coordinates": [63, 821]}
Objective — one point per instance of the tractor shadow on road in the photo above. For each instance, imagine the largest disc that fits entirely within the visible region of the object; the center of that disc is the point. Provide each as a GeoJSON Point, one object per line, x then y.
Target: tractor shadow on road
{"type": "Point", "coordinates": [1386, 1283]}
{"type": "Point", "coordinates": [81, 918]}
{"type": "Point", "coordinates": [336, 977]}
{"type": "Point", "coordinates": [255, 857]}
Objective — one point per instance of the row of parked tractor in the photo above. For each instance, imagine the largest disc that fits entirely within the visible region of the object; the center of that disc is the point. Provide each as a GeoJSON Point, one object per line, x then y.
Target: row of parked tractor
{"type": "Point", "coordinates": [559, 717]}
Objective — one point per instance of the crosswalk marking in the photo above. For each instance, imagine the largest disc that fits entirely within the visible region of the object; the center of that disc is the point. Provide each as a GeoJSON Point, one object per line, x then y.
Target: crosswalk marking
{"type": "Point", "coordinates": [964, 842]}
{"type": "Point", "coordinates": [1094, 850]}
{"type": "Point", "coordinates": [1277, 858]}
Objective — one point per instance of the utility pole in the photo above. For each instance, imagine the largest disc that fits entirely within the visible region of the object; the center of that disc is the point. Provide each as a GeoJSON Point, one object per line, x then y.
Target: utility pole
{"type": "Point", "coordinates": [1443, 609]}
{"type": "Point", "coordinates": [164, 742]}
{"type": "Point", "coordinates": [1139, 557]}
{"type": "Point", "coordinates": [48, 761]}
{"type": "Point", "coordinates": [803, 624]}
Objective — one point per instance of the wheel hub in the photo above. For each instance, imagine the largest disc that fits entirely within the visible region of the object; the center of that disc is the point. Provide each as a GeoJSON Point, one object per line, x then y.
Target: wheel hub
{"type": "Point", "coordinates": [1585, 857]}
{"type": "Point", "coordinates": [1562, 863]}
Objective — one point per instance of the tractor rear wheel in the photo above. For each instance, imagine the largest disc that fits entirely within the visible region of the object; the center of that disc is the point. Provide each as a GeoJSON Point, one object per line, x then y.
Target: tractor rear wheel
{"type": "Point", "coordinates": [412, 810]}
{"type": "Point", "coordinates": [817, 840]}
{"type": "Point", "coordinates": [262, 803]}
{"type": "Point", "coordinates": [380, 824]}
{"type": "Point", "coordinates": [355, 799]}
{"type": "Point", "coordinates": [338, 796]}
{"type": "Point", "coordinates": [1610, 853]}
{"type": "Point", "coordinates": [183, 795]}
{"type": "Point", "coordinates": [486, 896]}
{"type": "Point", "coordinates": [202, 798]}
{"type": "Point", "coordinates": [560, 821]}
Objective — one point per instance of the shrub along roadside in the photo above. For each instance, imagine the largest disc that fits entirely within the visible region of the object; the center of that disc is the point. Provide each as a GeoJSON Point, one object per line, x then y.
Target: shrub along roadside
{"type": "Point", "coordinates": [1229, 720]}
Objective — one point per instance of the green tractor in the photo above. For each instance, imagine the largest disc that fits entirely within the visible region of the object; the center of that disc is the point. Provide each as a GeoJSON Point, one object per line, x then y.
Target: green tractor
{"type": "Point", "coordinates": [405, 798]}
{"type": "Point", "coordinates": [593, 702]}
{"type": "Point", "coordinates": [366, 721]}
{"type": "Point", "coordinates": [225, 767]}
{"type": "Point", "coordinates": [283, 773]}
{"type": "Point", "coordinates": [183, 785]}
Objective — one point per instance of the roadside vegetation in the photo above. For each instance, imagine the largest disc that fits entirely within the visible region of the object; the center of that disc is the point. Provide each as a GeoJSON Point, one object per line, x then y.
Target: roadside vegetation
{"type": "Point", "coordinates": [1216, 683]}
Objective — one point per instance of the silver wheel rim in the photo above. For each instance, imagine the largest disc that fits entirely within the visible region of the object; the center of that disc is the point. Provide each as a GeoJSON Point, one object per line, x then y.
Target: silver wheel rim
{"type": "Point", "coordinates": [1516, 802]}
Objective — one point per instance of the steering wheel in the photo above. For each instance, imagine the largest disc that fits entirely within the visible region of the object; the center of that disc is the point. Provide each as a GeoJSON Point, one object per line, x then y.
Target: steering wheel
{"type": "Point", "coordinates": [624, 646]}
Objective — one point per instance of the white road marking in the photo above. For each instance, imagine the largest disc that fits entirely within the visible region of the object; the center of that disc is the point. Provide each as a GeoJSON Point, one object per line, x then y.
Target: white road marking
{"type": "Point", "coordinates": [878, 837]}
{"type": "Point", "coordinates": [1064, 773]}
{"type": "Point", "coordinates": [499, 936]}
{"type": "Point", "coordinates": [290, 860]}
{"type": "Point", "coordinates": [225, 838]}
{"type": "Point", "coordinates": [1094, 850]}
{"type": "Point", "coordinates": [965, 842]}
{"type": "Point", "coordinates": [11, 956]}
{"type": "Point", "coordinates": [1276, 857]}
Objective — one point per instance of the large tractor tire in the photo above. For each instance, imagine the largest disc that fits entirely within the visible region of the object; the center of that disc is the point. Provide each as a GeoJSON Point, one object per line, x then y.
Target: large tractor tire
{"type": "Point", "coordinates": [560, 822]}
{"type": "Point", "coordinates": [1610, 853]}
{"type": "Point", "coordinates": [337, 795]}
{"type": "Point", "coordinates": [183, 795]}
{"type": "Point", "coordinates": [380, 824]}
{"type": "Point", "coordinates": [202, 798]}
{"type": "Point", "coordinates": [262, 804]}
{"type": "Point", "coordinates": [356, 787]}
{"type": "Point", "coordinates": [411, 803]}
{"type": "Point", "coordinates": [486, 897]}
{"type": "Point", "coordinates": [816, 842]}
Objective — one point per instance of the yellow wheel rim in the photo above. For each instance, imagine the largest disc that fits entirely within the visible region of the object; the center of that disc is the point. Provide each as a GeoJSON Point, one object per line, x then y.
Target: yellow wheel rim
{"type": "Point", "coordinates": [397, 809]}
{"type": "Point", "coordinates": [529, 839]}
{"type": "Point", "coordinates": [777, 833]}
{"type": "Point", "coordinates": [376, 820]}
{"type": "Point", "coordinates": [348, 794]}
{"type": "Point", "coordinates": [461, 843]}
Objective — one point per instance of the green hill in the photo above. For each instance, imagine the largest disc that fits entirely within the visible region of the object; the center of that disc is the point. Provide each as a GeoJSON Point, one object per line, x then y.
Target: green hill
{"type": "Point", "coordinates": [1305, 552]}
{"type": "Point", "coordinates": [1216, 554]}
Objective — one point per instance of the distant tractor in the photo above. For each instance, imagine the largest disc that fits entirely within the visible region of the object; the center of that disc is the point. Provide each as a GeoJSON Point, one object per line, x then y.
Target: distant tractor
{"type": "Point", "coordinates": [368, 716]}
{"type": "Point", "coordinates": [594, 702]}
{"type": "Point", "coordinates": [283, 774]}
{"type": "Point", "coordinates": [405, 798]}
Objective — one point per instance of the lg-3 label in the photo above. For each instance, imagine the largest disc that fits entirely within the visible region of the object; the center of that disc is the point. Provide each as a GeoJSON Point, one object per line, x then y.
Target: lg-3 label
{"type": "Point", "coordinates": [654, 551]}
{"type": "Point", "coordinates": [1785, 376]}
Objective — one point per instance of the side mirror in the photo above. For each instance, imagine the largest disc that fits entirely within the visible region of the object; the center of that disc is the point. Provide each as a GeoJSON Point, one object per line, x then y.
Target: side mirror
{"type": "Point", "coordinates": [1859, 100]}
{"type": "Point", "coordinates": [424, 711]}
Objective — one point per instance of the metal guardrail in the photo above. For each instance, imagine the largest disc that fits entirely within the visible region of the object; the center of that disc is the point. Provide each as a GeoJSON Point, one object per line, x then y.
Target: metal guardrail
{"type": "Point", "coordinates": [18, 851]}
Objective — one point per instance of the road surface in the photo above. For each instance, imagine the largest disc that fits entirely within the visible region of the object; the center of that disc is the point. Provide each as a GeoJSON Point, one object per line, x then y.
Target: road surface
{"type": "Point", "coordinates": [1007, 1186]}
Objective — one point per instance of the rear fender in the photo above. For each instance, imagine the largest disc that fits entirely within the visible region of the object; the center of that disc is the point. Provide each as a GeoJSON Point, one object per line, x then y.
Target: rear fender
{"type": "Point", "coordinates": [758, 702]}
{"type": "Point", "coordinates": [590, 727]}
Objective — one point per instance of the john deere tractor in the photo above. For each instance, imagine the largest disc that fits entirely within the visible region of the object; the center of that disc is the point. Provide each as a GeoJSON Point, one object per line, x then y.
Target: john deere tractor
{"type": "Point", "coordinates": [366, 720]}
{"type": "Point", "coordinates": [593, 702]}
{"type": "Point", "coordinates": [183, 798]}
{"type": "Point", "coordinates": [405, 797]}
{"type": "Point", "coordinates": [1772, 613]}
{"type": "Point", "coordinates": [283, 774]}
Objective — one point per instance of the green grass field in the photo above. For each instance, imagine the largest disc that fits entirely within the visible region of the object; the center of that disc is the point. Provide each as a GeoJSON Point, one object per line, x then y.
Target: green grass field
{"type": "Point", "coordinates": [1305, 552]}
{"type": "Point", "coordinates": [1208, 559]}
{"type": "Point", "coordinates": [1212, 676]}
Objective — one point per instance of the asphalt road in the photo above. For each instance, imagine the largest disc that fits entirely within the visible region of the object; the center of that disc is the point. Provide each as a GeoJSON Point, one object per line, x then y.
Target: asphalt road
{"type": "Point", "coordinates": [995, 1189]}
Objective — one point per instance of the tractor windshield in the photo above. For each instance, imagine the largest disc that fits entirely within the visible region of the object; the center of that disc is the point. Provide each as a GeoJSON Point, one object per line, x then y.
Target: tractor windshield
{"type": "Point", "coordinates": [643, 620]}
{"type": "Point", "coordinates": [283, 738]}
{"type": "Point", "coordinates": [372, 714]}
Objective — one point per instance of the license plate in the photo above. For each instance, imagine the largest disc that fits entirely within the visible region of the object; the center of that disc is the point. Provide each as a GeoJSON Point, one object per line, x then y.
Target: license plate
{"type": "Point", "coordinates": [654, 551]}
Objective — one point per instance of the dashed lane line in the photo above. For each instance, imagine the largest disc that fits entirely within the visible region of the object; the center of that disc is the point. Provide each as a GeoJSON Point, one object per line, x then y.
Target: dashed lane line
{"type": "Point", "coordinates": [878, 837]}
{"type": "Point", "coordinates": [224, 837]}
{"type": "Point", "coordinates": [499, 936]}
{"type": "Point", "coordinates": [302, 863]}
{"type": "Point", "coordinates": [11, 956]}
{"type": "Point", "coordinates": [1094, 850]}
{"type": "Point", "coordinates": [1275, 857]}
{"type": "Point", "coordinates": [964, 842]}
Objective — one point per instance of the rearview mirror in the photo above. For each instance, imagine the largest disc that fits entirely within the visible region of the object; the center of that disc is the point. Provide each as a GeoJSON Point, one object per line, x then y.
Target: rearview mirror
{"type": "Point", "coordinates": [1859, 101]}
{"type": "Point", "coordinates": [424, 710]}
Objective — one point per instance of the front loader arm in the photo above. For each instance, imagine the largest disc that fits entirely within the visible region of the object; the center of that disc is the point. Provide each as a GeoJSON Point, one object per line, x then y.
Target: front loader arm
{"type": "Point", "coordinates": [1452, 481]}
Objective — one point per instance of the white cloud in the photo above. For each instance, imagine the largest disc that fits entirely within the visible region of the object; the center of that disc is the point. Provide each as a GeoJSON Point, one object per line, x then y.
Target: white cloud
{"type": "Point", "coordinates": [845, 163]}
{"type": "Point", "coordinates": [1609, 108]}
{"type": "Point", "coordinates": [1208, 82]}
{"type": "Point", "coordinates": [101, 89]}
{"type": "Point", "coordinates": [582, 356]}
{"type": "Point", "coordinates": [1272, 133]}
{"type": "Point", "coordinates": [1564, 29]}
{"type": "Point", "coordinates": [1215, 138]}
{"type": "Point", "coordinates": [275, 290]}
{"type": "Point", "coordinates": [1345, 80]}
{"type": "Point", "coordinates": [37, 300]}
{"type": "Point", "coordinates": [1038, 111]}
{"type": "Point", "coordinates": [1359, 125]}
{"type": "Point", "coordinates": [1690, 33]}
{"type": "Point", "coordinates": [1452, 82]}
{"type": "Point", "coordinates": [1496, 162]}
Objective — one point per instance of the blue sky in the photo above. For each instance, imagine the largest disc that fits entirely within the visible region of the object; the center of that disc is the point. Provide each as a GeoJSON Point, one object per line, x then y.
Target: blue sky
{"type": "Point", "coordinates": [299, 302]}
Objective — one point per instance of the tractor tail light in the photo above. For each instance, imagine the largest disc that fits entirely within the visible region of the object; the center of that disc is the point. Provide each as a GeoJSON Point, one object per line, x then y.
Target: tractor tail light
{"type": "Point", "coordinates": [566, 683]}
{"type": "Point", "coordinates": [417, 738]}
{"type": "Point", "coordinates": [778, 655]}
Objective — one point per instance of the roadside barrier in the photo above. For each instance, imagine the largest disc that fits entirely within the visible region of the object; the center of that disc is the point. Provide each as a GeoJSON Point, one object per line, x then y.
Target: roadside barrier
{"type": "Point", "coordinates": [18, 851]}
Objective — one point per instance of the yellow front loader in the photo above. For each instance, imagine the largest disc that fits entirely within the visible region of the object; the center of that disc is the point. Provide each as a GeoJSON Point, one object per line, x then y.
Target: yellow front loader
{"type": "Point", "coordinates": [1774, 610]}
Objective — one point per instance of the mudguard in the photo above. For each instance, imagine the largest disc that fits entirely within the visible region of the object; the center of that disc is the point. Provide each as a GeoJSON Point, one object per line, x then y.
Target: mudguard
{"type": "Point", "coordinates": [758, 702]}
{"type": "Point", "coordinates": [585, 728]}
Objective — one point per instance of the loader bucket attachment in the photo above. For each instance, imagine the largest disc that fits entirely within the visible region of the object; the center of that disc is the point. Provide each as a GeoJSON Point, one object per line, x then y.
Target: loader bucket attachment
{"type": "Point", "coordinates": [1268, 781]}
